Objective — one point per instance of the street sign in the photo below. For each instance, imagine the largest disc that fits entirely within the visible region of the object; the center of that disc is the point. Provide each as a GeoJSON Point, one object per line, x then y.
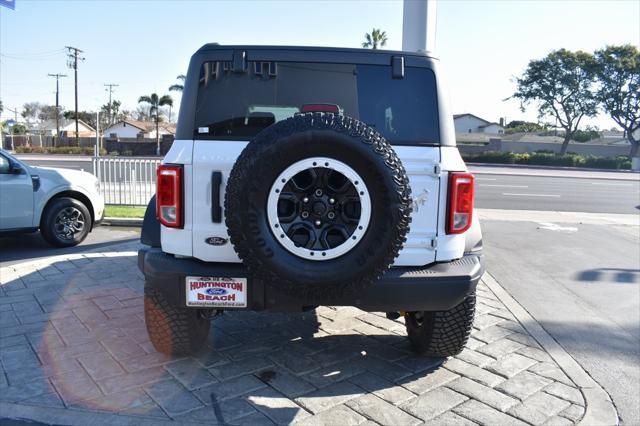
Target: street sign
{"type": "Point", "coordinates": [11, 4]}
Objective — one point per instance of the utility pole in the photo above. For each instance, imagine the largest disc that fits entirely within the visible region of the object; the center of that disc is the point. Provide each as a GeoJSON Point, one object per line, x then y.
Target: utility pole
{"type": "Point", "coordinates": [57, 77]}
{"type": "Point", "coordinates": [73, 63]}
{"type": "Point", "coordinates": [110, 89]}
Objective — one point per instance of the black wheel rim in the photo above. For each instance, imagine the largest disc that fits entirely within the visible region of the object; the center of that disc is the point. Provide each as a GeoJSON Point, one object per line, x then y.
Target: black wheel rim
{"type": "Point", "coordinates": [68, 223]}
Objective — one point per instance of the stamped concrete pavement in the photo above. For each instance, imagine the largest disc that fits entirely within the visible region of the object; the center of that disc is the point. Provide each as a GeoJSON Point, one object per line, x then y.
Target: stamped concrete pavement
{"type": "Point", "coordinates": [74, 350]}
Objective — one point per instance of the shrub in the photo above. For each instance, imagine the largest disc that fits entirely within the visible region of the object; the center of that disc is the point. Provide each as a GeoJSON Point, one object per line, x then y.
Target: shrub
{"type": "Point", "coordinates": [77, 150]}
{"type": "Point", "coordinates": [544, 159]}
{"type": "Point", "coordinates": [622, 162]}
{"type": "Point", "coordinates": [492, 157]}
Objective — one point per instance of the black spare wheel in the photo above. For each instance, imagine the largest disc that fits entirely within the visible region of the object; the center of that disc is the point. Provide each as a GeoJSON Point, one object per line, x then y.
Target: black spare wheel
{"type": "Point", "coordinates": [318, 205]}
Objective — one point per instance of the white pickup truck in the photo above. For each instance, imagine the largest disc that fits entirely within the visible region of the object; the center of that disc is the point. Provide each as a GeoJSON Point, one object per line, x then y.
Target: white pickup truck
{"type": "Point", "coordinates": [63, 204]}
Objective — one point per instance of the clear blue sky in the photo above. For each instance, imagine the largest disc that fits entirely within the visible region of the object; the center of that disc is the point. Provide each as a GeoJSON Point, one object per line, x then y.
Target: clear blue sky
{"type": "Point", "coordinates": [143, 45]}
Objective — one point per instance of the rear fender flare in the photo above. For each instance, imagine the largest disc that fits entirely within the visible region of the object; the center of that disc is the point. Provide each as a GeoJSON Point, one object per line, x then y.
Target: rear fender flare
{"type": "Point", "coordinates": [150, 234]}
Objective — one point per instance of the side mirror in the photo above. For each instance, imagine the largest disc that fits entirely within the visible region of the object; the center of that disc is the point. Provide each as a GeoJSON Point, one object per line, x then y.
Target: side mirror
{"type": "Point", "coordinates": [16, 169]}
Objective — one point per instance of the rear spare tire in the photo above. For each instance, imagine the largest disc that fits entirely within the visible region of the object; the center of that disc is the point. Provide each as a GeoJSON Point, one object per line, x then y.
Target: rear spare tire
{"type": "Point", "coordinates": [318, 205]}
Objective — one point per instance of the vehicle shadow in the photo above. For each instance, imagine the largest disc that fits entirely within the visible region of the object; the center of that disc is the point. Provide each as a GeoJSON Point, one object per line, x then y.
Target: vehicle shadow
{"type": "Point", "coordinates": [14, 248]}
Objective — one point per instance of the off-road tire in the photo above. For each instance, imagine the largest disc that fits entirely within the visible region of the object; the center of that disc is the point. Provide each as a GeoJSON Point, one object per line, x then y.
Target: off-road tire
{"type": "Point", "coordinates": [442, 333]}
{"type": "Point", "coordinates": [47, 223]}
{"type": "Point", "coordinates": [301, 137]}
{"type": "Point", "coordinates": [174, 330]}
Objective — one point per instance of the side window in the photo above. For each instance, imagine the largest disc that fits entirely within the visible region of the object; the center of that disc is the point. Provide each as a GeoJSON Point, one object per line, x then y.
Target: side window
{"type": "Point", "coordinates": [4, 165]}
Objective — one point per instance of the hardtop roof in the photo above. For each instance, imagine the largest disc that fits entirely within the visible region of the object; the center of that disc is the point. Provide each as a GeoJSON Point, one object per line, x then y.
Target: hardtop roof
{"type": "Point", "coordinates": [216, 46]}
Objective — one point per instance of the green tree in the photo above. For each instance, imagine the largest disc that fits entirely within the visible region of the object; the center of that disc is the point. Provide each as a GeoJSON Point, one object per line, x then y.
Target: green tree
{"type": "Point", "coordinates": [19, 129]}
{"type": "Point", "coordinates": [180, 86]}
{"type": "Point", "coordinates": [88, 117]}
{"type": "Point", "coordinates": [1, 107]}
{"type": "Point", "coordinates": [154, 111]}
{"type": "Point", "coordinates": [519, 126]}
{"type": "Point", "coordinates": [49, 112]}
{"type": "Point", "coordinates": [617, 70]}
{"type": "Point", "coordinates": [561, 86]}
{"type": "Point", "coordinates": [110, 112]}
{"type": "Point", "coordinates": [375, 38]}
{"type": "Point", "coordinates": [30, 111]}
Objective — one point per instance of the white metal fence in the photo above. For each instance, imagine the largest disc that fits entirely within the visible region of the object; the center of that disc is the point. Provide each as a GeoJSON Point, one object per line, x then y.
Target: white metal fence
{"type": "Point", "coordinates": [126, 181]}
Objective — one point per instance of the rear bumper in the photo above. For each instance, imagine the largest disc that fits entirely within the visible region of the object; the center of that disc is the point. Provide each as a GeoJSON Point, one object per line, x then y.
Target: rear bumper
{"type": "Point", "coordinates": [435, 287]}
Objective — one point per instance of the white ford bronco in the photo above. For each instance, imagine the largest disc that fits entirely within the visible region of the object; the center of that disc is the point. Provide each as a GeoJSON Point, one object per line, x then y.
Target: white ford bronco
{"type": "Point", "coordinates": [312, 176]}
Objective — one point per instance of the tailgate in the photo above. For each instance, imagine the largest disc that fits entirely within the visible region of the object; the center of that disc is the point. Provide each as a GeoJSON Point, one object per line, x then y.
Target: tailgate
{"type": "Point", "coordinates": [210, 238]}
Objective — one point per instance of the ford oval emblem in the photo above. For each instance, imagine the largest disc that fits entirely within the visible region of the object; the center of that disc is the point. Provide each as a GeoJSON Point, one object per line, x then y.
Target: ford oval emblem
{"type": "Point", "coordinates": [216, 241]}
{"type": "Point", "coordinates": [216, 291]}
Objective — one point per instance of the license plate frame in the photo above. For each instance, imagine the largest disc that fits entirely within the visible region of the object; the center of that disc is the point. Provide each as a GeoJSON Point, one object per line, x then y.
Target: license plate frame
{"type": "Point", "coordinates": [216, 292]}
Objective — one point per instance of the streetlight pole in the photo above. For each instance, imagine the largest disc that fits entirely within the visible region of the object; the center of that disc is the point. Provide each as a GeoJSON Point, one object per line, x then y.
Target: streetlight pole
{"type": "Point", "coordinates": [57, 77]}
{"type": "Point", "coordinates": [419, 25]}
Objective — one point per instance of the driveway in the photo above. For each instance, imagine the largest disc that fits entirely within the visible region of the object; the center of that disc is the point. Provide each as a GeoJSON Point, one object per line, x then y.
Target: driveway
{"type": "Point", "coordinates": [74, 350]}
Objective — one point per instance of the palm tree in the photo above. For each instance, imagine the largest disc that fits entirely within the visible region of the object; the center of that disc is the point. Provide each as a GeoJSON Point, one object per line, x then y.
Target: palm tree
{"type": "Point", "coordinates": [154, 111]}
{"type": "Point", "coordinates": [178, 87]}
{"type": "Point", "coordinates": [375, 38]}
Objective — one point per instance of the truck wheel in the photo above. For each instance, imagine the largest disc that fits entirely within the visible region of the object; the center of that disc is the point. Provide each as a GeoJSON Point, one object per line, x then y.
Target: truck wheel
{"type": "Point", "coordinates": [442, 333]}
{"type": "Point", "coordinates": [174, 330]}
{"type": "Point", "coordinates": [66, 222]}
{"type": "Point", "coordinates": [318, 205]}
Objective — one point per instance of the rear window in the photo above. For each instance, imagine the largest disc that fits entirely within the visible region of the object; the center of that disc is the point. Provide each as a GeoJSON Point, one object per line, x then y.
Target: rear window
{"type": "Point", "coordinates": [237, 106]}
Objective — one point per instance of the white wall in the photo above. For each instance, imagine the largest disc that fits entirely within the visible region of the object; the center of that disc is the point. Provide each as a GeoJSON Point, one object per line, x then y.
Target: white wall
{"type": "Point", "coordinates": [467, 124]}
{"type": "Point", "coordinates": [124, 130]}
{"type": "Point", "coordinates": [493, 129]}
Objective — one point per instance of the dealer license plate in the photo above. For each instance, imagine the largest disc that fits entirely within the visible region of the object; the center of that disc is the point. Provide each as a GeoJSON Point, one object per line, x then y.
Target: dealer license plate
{"type": "Point", "coordinates": [216, 292]}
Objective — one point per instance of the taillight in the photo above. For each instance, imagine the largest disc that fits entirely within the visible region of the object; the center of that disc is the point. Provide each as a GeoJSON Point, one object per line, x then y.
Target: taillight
{"type": "Point", "coordinates": [460, 202]}
{"type": "Point", "coordinates": [169, 204]}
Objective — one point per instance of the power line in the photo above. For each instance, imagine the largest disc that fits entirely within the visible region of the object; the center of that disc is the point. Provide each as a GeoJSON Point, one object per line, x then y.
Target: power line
{"type": "Point", "coordinates": [110, 89]}
{"type": "Point", "coordinates": [57, 77]}
{"type": "Point", "coordinates": [46, 52]}
{"type": "Point", "coordinates": [73, 63]}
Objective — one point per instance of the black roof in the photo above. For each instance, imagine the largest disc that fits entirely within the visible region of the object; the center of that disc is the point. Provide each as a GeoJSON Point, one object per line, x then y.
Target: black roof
{"type": "Point", "coordinates": [216, 46]}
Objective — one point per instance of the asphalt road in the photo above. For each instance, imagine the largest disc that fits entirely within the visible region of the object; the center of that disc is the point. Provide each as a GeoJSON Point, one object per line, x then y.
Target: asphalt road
{"type": "Point", "coordinates": [547, 193]}
{"type": "Point", "coordinates": [76, 163]}
{"type": "Point", "coordinates": [582, 284]}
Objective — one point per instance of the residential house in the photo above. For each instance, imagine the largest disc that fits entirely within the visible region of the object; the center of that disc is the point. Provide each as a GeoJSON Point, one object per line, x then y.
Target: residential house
{"type": "Point", "coordinates": [138, 129]}
{"type": "Point", "coordinates": [67, 128]}
{"type": "Point", "coordinates": [469, 123]}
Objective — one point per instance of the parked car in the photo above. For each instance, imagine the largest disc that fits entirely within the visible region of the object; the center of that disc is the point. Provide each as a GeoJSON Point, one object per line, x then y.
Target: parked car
{"type": "Point", "coordinates": [63, 204]}
{"type": "Point", "coordinates": [312, 176]}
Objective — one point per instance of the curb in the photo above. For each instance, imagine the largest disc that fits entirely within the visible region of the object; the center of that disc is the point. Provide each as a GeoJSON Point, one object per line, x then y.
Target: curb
{"type": "Point", "coordinates": [122, 221]}
{"type": "Point", "coordinates": [599, 409]}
